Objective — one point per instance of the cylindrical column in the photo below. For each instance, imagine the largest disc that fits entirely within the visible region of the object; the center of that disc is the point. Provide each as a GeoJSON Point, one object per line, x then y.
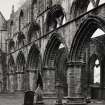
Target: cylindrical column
{"type": "Point", "coordinates": [74, 80]}
{"type": "Point", "coordinates": [19, 78]}
{"type": "Point", "coordinates": [11, 83]}
{"type": "Point", "coordinates": [59, 91]}
{"type": "Point", "coordinates": [49, 80]}
{"type": "Point", "coordinates": [32, 78]}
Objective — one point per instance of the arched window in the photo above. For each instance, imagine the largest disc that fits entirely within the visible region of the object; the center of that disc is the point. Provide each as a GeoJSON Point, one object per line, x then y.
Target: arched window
{"type": "Point", "coordinates": [54, 62]}
{"type": "Point", "coordinates": [34, 66]}
{"type": "Point", "coordinates": [54, 17]}
{"type": "Point", "coordinates": [21, 19]}
{"type": "Point", "coordinates": [96, 77]}
{"type": "Point", "coordinates": [34, 30]}
{"type": "Point", "coordinates": [20, 38]}
{"type": "Point", "coordinates": [11, 44]}
{"type": "Point", "coordinates": [11, 28]}
{"type": "Point", "coordinates": [20, 77]}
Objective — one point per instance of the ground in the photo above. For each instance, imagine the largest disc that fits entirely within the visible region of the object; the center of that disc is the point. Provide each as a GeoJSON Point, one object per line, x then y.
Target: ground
{"type": "Point", "coordinates": [6, 99]}
{"type": "Point", "coordinates": [14, 99]}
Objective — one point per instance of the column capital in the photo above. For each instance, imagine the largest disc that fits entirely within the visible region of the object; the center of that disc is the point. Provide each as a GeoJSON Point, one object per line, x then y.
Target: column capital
{"type": "Point", "coordinates": [10, 73]}
{"type": "Point", "coordinates": [32, 70]}
{"type": "Point", "coordinates": [19, 72]}
{"type": "Point", "coordinates": [48, 68]}
{"type": "Point", "coordinates": [60, 84]}
{"type": "Point", "coordinates": [76, 63]}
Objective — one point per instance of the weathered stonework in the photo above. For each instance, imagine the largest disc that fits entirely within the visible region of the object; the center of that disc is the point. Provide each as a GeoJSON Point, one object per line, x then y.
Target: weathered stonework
{"type": "Point", "coordinates": [60, 51]}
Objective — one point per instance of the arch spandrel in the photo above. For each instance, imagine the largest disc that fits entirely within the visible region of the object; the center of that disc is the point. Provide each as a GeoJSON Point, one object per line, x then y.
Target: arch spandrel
{"type": "Point", "coordinates": [54, 41]}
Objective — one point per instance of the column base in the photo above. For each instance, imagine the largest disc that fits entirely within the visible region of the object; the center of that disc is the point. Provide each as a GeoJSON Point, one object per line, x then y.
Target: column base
{"type": "Point", "coordinates": [39, 103]}
{"type": "Point", "coordinates": [75, 101]}
{"type": "Point", "coordinates": [19, 91]}
{"type": "Point", "coordinates": [58, 104]}
{"type": "Point", "coordinates": [49, 94]}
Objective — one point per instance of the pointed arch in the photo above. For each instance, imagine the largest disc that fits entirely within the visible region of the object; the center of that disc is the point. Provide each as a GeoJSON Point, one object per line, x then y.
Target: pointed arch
{"type": "Point", "coordinates": [83, 35]}
{"type": "Point", "coordinates": [55, 12]}
{"type": "Point", "coordinates": [11, 61]}
{"type": "Point", "coordinates": [93, 74]}
{"type": "Point", "coordinates": [53, 70]}
{"type": "Point", "coordinates": [21, 13]}
{"type": "Point", "coordinates": [20, 73]}
{"type": "Point", "coordinates": [11, 44]}
{"type": "Point", "coordinates": [51, 49]}
{"type": "Point", "coordinates": [20, 37]}
{"type": "Point", "coordinates": [80, 40]}
{"type": "Point", "coordinates": [91, 64]}
{"type": "Point", "coordinates": [34, 58]}
{"type": "Point", "coordinates": [33, 29]}
{"type": "Point", "coordinates": [34, 66]}
{"type": "Point", "coordinates": [20, 60]}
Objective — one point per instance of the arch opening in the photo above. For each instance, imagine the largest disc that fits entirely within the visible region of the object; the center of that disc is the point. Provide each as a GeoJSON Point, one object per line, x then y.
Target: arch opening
{"type": "Point", "coordinates": [11, 76]}
{"type": "Point", "coordinates": [20, 72]}
{"type": "Point", "coordinates": [54, 72]}
{"type": "Point", "coordinates": [21, 15]}
{"type": "Point", "coordinates": [95, 76]}
{"type": "Point", "coordinates": [34, 66]}
{"type": "Point", "coordinates": [55, 17]}
{"type": "Point", "coordinates": [34, 31]}
{"type": "Point", "coordinates": [86, 44]}
{"type": "Point", "coordinates": [20, 38]}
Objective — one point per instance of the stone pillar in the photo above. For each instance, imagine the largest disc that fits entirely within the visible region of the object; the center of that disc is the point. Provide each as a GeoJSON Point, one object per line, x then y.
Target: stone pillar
{"type": "Point", "coordinates": [19, 81]}
{"type": "Point", "coordinates": [1, 81]}
{"type": "Point", "coordinates": [74, 80]}
{"type": "Point", "coordinates": [7, 82]}
{"type": "Point", "coordinates": [59, 92]}
{"type": "Point", "coordinates": [11, 79]}
{"type": "Point", "coordinates": [32, 79]}
{"type": "Point", "coordinates": [49, 81]}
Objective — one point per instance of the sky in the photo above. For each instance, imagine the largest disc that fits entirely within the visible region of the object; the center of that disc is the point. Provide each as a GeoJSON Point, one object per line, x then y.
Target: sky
{"type": "Point", "coordinates": [91, 6]}
{"type": "Point", "coordinates": [6, 6]}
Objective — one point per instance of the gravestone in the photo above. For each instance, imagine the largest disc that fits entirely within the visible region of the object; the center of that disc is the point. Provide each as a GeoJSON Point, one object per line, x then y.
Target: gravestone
{"type": "Point", "coordinates": [29, 98]}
